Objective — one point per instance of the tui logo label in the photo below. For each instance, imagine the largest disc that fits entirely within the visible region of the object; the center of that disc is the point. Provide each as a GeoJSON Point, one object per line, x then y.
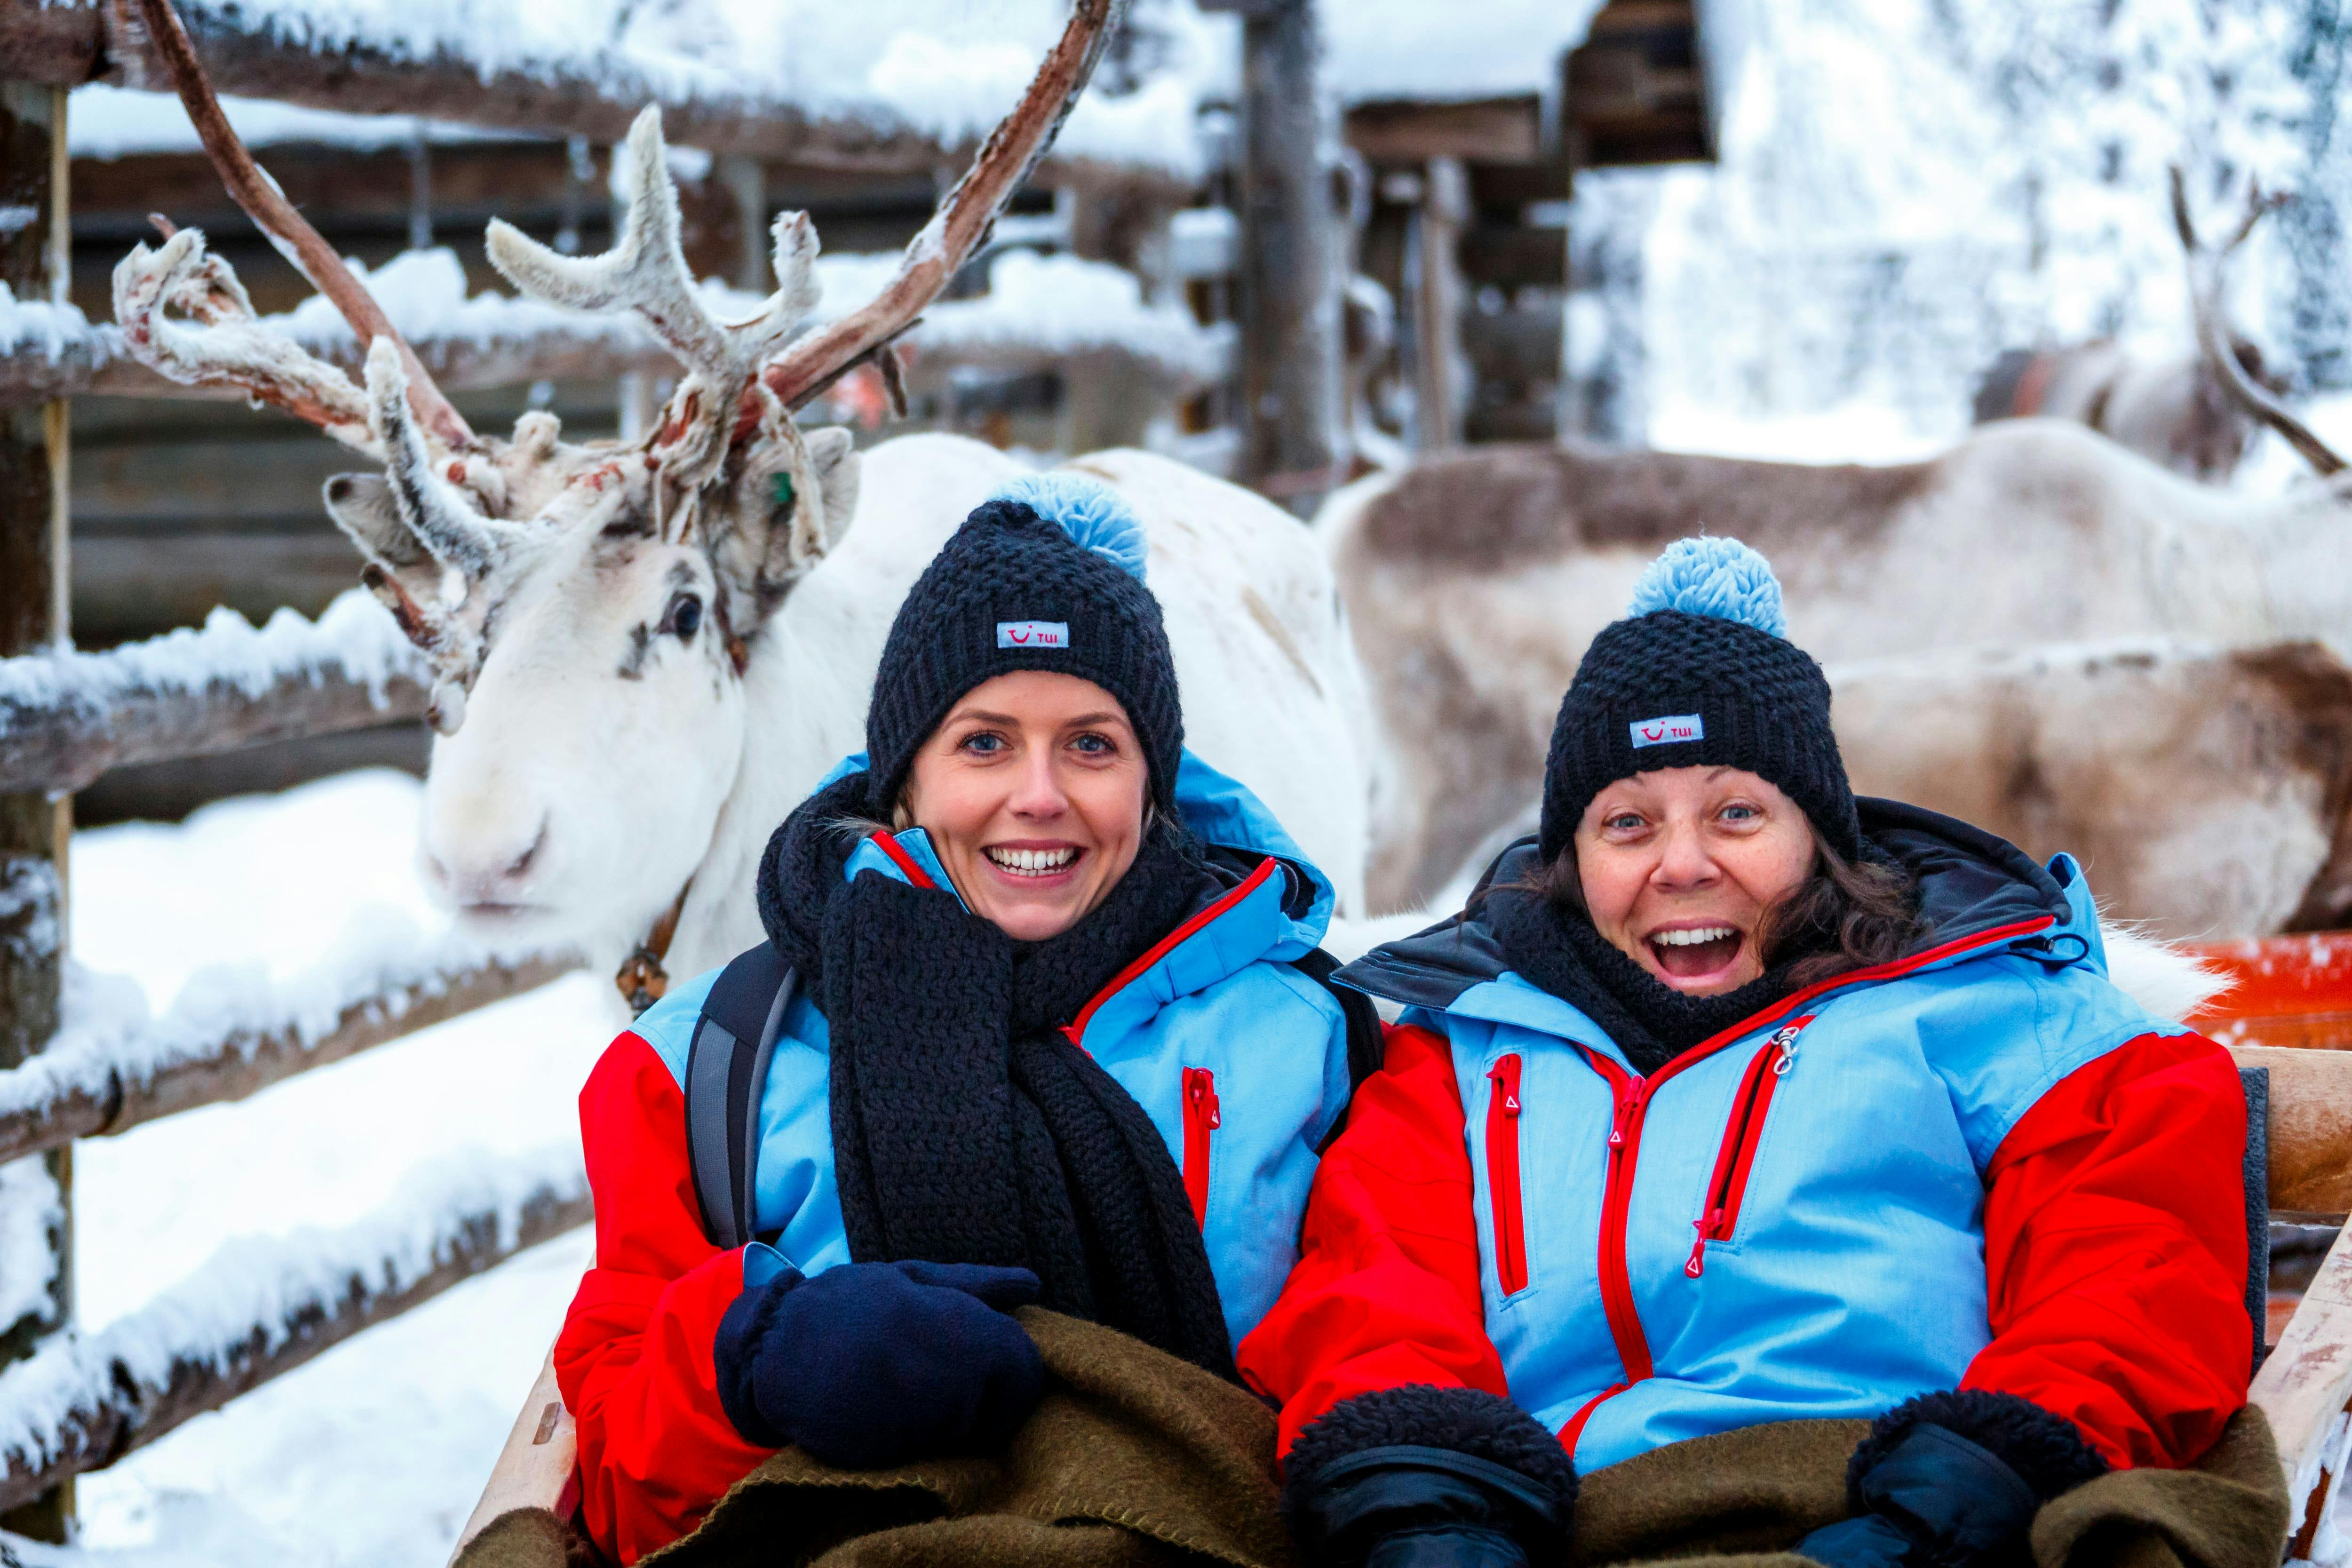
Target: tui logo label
{"type": "Point", "coordinates": [1033, 634]}
{"type": "Point", "coordinates": [1671, 730]}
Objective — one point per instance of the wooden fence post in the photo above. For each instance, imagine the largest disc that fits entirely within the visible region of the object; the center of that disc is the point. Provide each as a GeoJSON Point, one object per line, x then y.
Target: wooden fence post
{"type": "Point", "coordinates": [35, 829]}
{"type": "Point", "coordinates": [1293, 443]}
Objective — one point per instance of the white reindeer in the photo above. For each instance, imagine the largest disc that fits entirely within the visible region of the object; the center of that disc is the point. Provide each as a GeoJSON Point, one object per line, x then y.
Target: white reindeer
{"type": "Point", "coordinates": [646, 653]}
{"type": "Point", "coordinates": [1475, 581]}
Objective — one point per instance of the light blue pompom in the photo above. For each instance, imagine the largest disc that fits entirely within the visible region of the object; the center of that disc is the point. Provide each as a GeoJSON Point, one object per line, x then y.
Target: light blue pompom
{"type": "Point", "coordinates": [1089, 512]}
{"type": "Point", "coordinates": [1708, 577]}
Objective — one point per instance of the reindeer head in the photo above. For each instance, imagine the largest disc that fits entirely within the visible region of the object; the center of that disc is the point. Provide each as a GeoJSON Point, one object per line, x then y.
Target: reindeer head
{"type": "Point", "coordinates": [589, 609]}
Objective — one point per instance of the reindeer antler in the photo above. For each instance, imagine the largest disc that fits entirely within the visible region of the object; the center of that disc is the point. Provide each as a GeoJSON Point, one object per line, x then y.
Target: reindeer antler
{"type": "Point", "coordinates": [961, 222]}
{"type": "Point", "coordinates": [646, 271]}
{"type": "Point", "coordinates": [2213, 338]}
{"type": "Point", "coordinates": [303, 395]}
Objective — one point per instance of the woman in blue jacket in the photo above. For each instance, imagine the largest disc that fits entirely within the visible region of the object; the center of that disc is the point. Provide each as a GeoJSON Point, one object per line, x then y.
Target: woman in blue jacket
{"type": "Point", "coordinates": [1047, 1045]}
{"type": "Point", "coordinates": [1733, 1100]}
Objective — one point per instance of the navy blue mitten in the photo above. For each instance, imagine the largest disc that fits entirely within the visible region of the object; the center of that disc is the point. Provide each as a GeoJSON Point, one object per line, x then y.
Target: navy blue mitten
{"type": "Point", "coordinates": [873, 1364]}
{"type": "Point", "coordinates": [1953, 1481]}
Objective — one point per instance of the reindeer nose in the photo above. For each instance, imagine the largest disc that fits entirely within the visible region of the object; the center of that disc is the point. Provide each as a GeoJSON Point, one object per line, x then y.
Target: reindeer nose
{"type": "Point", "coordinates": [487, 885]}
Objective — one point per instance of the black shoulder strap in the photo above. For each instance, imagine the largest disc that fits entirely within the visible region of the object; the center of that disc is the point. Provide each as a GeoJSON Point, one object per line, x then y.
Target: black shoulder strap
{"type": "Point", "coordinates": [1366, 1047]}
{"type": "Point", "coordinates": [726, 1068]}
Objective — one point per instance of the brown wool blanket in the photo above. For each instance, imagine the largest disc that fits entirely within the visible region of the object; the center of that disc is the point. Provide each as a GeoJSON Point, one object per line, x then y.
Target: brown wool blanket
{"type": "Point", "coordinates": [1135, 1459]}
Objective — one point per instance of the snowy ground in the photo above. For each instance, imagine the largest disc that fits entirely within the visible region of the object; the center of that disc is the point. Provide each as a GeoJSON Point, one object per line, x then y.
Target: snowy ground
{"type": "Point", "coordinates": [372, 1455]}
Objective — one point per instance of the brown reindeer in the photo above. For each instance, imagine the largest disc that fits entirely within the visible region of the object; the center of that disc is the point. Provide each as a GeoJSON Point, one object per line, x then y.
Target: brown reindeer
{"type": "Point", "coordinates": [1474, 582]}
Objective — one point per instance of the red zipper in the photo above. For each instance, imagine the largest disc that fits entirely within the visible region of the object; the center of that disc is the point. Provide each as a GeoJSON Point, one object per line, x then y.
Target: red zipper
{"type": "Point", "coordinates": [1503, 1173]}
{"type": "Point", "coordinates": [1633, 1095]}
{"type": "Point", "coordinates": [1200, 1119]}
{"type": "Point", "coordinates": [1741, 1133]}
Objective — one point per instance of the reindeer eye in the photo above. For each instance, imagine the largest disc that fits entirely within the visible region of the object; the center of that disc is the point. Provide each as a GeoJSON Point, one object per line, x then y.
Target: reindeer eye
{"type": "Point", "coordinates": [781, 493]}
{"type": "Point", "coordinates": [685, 617]}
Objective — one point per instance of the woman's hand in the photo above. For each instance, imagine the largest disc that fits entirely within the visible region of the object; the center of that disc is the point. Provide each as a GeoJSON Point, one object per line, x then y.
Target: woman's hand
{"type": "Point", "coordinates": [873, 1364]}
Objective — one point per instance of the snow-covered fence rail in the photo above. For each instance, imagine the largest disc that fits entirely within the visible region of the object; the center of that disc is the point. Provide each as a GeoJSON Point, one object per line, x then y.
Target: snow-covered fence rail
{"type": "Point", "coordinates": [66, 718]}
{"type": "Point", "coordinates": [261, 1308]}
{"type": "Point", "coordinates": [1039, 312]}
{"type": "Point", "coordinates": [503, 67]}
{"type": "Point", "coordinates": [112, 1068]}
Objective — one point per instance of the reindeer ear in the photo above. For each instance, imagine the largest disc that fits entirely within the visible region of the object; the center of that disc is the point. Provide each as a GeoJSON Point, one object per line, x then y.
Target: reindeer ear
{"type": "Point", "coordinates": [833, 462]}
{"type": "Point", "coordinates": [789, 506]}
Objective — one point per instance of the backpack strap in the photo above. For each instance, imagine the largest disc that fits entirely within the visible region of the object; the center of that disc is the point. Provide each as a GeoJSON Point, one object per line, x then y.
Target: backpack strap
{"type": "Point", "coordinates": [726, 1068]}
{"type": "Point", "coordinates": [1367, 1047]}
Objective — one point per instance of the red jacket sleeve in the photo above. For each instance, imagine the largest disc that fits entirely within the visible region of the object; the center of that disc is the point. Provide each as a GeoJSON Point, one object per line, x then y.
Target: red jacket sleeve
{"type": "Point", "coordinates": [1385, 1292]}
{"type": "Point", "coordinates": [2115, 1252]}
{"type": "Point", "coordinates": [633, 1359]}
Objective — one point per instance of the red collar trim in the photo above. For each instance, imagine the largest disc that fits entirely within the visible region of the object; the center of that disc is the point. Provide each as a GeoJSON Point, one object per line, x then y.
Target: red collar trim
{"type": "Point", "coordinates": [1077, 1028]}
{"type": "Point", "coordinates": [890, 846]}
{"type": "Point", "coordinates": [1898, 967]}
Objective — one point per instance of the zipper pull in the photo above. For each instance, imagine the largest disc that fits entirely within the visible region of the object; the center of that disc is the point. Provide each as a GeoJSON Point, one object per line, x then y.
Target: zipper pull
{"type": "Point", "coordinates": [1786, 1038]}
{"type": "Point", "coordinates": [1506, 1084]}
{"type": "Point", "coordinates": [1706, 1226]}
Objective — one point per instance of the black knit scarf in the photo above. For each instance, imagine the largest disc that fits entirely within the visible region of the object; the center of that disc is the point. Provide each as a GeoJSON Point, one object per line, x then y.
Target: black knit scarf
{"type": "Point", "coordinates": [966, 1127]}
{"type": "Point", "coordinates": [1560, 949]}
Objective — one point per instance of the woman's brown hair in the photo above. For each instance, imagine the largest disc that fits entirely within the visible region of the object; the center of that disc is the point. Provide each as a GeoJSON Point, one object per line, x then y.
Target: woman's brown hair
{"type": "Point", "coordinates": [1845, 915]}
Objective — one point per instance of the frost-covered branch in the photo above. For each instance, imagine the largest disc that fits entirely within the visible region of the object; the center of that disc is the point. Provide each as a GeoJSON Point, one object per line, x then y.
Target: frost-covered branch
{"type": "Point", "coordinates": [234, 1032]}
{"type": "Point", "coordinates": [262, 1307]}
{"type": "Point", "coordinates": [66, 718]}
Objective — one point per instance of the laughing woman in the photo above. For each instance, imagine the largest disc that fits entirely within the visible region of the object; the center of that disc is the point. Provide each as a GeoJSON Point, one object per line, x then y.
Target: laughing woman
{"type": "Point", "coordinates": [1733, 1100]}
{"type": "Point", "coordinates": [1043, 1042]}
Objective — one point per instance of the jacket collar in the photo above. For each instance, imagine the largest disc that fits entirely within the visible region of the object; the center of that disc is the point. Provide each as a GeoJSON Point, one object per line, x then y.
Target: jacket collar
{"type": "Point", "coordinates": [1275, 904]}
{"type": "Point", "coordinates": [1979, 893]}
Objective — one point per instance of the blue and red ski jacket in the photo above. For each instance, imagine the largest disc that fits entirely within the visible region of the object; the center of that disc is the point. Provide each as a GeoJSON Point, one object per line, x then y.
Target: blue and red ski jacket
{"type": "Point", "coordinates": [1980, 1166]}
{"type": "Point", "coordinates": [1239, 1059]}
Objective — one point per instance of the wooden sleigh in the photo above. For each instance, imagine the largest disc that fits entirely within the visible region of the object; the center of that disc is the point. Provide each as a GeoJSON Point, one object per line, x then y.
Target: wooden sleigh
{"type": "Point", "coordinates": [2293, 990]}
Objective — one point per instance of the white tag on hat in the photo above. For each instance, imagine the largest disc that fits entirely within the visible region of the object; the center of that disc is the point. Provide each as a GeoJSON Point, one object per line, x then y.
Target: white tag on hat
{"type": "Point", "coordinates": [1033, 634]}
{"type": "Point", "coordinates": [1671, 730]}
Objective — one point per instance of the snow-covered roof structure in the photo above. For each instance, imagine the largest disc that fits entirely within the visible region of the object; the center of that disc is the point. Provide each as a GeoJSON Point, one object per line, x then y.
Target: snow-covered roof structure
{"type": "Point", "coordinates": [1412, 49]}
{"type": "Point", "coordinates": [831, 86]}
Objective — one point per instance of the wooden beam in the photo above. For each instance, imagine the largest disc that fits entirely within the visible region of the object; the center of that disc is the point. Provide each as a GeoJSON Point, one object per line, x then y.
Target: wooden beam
{"type": "Point", "coordinates": [48, 1105]}
{"type": "Point", "coordinates": [36, 823]}
{"type": "Point", "coordinates": [2310, 1127]}
{"type": "Point", "coordinates": [119, 1404]}
{"type": "Point", "coordinates": [1441, 378]}
{"type": "Point", "coordinates": [594, 96]}
{"type": "Point", "coordinates": [1289, 285]}
{"type": "Point", "coordinates": [2304, 1389]}
{"type": "Point", "coordinates": [1411, 132]}
{"type": "Point", "coordinates": [67, 718]}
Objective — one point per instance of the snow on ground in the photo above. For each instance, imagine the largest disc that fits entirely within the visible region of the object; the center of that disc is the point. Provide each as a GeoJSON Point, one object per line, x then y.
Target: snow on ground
{"type": "Point", "coordinates": [373, 1454]}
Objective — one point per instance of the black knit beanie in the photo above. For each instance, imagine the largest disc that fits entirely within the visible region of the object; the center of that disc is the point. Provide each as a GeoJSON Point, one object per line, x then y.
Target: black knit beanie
{"type": "Point", "coordinates": [1046, 574]}
{"type": "Point", "coordinates": [1699, 673]}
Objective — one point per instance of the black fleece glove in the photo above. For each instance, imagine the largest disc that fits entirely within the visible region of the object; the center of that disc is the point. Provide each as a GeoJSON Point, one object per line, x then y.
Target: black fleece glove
{"type": "Point", "coordinates": [873, 1364]}
{"type": "Point", "coordinates": [1429, 1477]}
{"type": "Point", "coordinates": [1953, 1481]}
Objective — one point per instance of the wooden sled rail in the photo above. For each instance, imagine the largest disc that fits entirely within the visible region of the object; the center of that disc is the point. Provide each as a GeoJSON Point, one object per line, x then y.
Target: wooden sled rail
{"type": "Point", "coordinates": [81, 1403]}
{"type": "Point", "coordinates": [95, 1088]}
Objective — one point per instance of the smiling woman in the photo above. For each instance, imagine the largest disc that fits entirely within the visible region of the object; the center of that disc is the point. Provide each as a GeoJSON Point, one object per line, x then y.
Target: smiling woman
{"type": "Point", "coordinates": [1032, 1033]}
{"type": "Point", "coordinates": [1808, 1110]}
